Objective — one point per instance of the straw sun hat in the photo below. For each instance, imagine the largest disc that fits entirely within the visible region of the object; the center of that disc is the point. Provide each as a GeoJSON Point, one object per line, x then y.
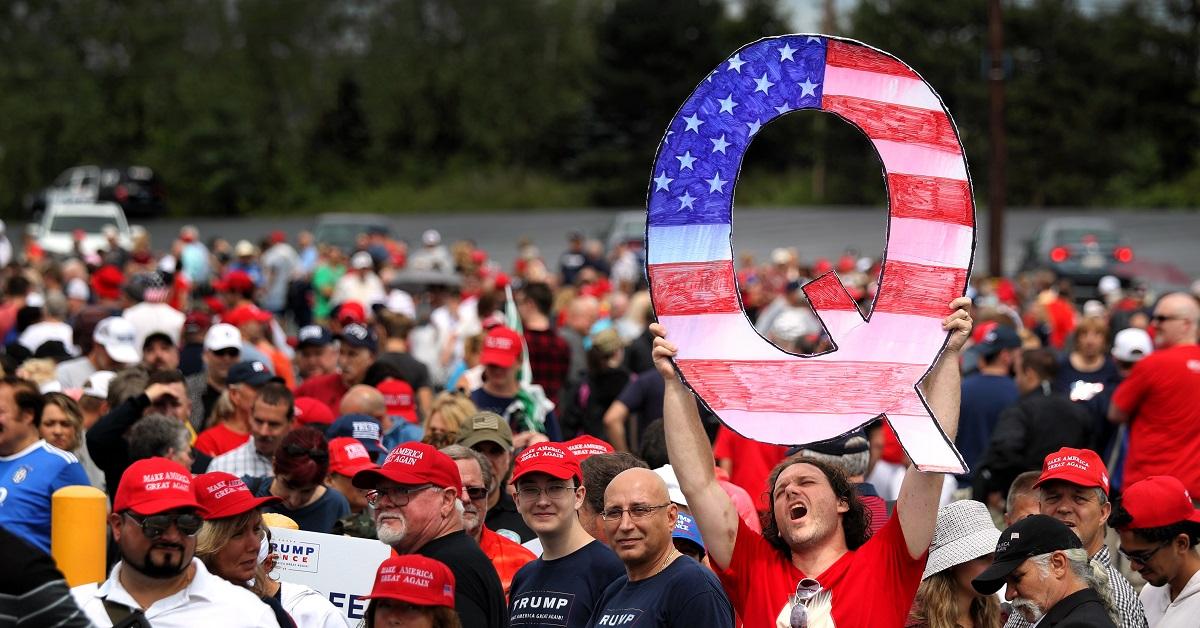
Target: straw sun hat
{"type": "Point", "coordinates": [964, 532]}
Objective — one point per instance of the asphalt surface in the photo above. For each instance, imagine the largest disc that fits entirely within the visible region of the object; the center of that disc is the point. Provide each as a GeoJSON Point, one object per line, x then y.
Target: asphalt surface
{"type": "Point", "coordinates": [1165, 244]}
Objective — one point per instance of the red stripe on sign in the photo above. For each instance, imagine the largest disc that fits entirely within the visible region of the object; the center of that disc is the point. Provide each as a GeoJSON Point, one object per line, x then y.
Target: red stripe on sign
{"type": "Point", "coordinates": [885, 121]}
{"type": "Point", "coordinates": [931, 198]}
{"type": "Point", "coordinates": [694, 288]}
{"type": "Point", "coordinates": [826, 293]}
{"type": "Point", "coordinates": [919, 290]}
{"type": "Point", "coordinates": [801, 386]}
{"type": "Point", "coordinates": [859, 57]}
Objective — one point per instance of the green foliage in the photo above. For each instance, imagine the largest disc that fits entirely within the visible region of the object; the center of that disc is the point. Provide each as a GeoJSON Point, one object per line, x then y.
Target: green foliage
{"type": "Point", "coordinates": [409, 105]}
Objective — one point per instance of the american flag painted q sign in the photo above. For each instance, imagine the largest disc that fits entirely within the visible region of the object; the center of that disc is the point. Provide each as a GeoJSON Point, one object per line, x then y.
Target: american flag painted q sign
{"type": "Point", "coordinates": [757, 389]}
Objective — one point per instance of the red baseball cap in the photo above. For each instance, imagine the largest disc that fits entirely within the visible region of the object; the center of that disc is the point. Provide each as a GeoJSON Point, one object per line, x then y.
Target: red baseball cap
{"type": "Point", "coordinates": [246, 313]}
{"type": "Point", "coordinates": [1081, 467]}
{"type": "Point", "coordinates": [278, 236]}
{"type": "Point", "coordinates": [413, 464]}
{"type": "Point", "coordinates": [501, 347]}
{"type": "Point", "coordinates": [237, 281]}
{"type": "Point", "coordinates": [415, 579]}
{"type": "Point", "coordinates": [398, 396]}
{"type": "Point", "coordinates": [586, 446]}
{"type": "Point", "coordinates": [310, 410]}
{"type": "Point", "coordinates": [1157, 501]}
{"type": "Point", "coordinates": [553, 459]}
{"type": "Point", "coordinates": [352, 312]}
{"type": "Point", "coordinates": [106, 282]}
{"type": "Point", "coordinates": [153, 485]}
{"type": "Point", "coordinates": [224, 495]}
{"type": "Point", "coordinates": [348, 456]}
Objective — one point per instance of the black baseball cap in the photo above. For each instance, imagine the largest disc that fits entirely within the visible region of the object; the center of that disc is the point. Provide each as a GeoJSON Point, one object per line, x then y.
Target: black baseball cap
{"type": "Point", "coordinates": [254, 373]}
{"type": "Point", "coordinates": [313, 336]}
{"type": "Point", "coordinates": [840, 446]}
{"type": "Point", "coordinates": [357, 335]}
{"type": "Point", "coordinates": [1032, 536]}
{"type": "Point", "coordinates": [997, 339]}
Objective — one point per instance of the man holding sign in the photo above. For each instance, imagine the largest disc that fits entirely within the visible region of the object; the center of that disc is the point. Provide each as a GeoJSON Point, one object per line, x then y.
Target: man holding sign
{"type": "Point", "coordinates": [813, 558]}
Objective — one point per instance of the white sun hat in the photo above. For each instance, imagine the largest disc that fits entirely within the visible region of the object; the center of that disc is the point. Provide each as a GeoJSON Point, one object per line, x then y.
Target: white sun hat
{"type": "Point", "coordinates": [964, 532]}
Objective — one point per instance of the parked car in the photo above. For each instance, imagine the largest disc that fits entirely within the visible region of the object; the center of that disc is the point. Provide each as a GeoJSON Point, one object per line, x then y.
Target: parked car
{"type": "Point", "coordinates": [135, 188]}
{"type": "Point", "coordinates": [1081, 250]}
{"type": "Point", "coordinates": [628, 227]}
{"type": "Point", "coordinates": [342, 230]}
{"type": "Point", "coordinates": [61, 224]}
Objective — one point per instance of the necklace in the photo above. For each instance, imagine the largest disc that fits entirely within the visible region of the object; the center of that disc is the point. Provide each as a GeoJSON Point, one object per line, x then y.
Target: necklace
{"type": "Point", "coordinates": [670, 556]}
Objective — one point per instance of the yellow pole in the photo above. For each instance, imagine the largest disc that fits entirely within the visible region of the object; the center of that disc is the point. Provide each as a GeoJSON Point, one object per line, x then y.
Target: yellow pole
{"type": "Point", "coordinates": [77, 533]}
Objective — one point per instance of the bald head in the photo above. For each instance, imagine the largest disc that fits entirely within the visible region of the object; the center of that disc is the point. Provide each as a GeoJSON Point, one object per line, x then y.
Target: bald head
{"type": "Point", "coordinates": [640, 534]}
{"type": "Point", "coordinates": [637, 480]}
{"type": "Point", "coordinates": [363, 399]}
{"type": "Point", "coordinates": [582, 314]}
{"type": "Point", "coordinates": [1176, 320]}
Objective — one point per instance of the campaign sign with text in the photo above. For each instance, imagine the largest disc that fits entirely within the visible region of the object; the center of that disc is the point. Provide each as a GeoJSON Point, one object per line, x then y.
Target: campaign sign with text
{"type": "Point", "coordinates": [340, 567]}
{"type": "Point", "coordinates": [878, 359]}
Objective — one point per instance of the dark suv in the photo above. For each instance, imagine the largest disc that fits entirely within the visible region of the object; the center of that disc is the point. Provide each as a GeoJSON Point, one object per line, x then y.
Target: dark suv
{"type": "Point", "coordinates": [135, 188]}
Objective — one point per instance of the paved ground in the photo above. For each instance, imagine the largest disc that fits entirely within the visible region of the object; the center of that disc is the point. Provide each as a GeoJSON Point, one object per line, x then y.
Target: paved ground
{"type": "Point", "coordinates": [1165, 243]}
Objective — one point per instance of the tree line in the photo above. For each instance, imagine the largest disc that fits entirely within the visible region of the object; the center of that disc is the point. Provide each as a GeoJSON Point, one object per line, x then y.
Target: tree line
{"type": "Point", "coordinates": [248, 105]}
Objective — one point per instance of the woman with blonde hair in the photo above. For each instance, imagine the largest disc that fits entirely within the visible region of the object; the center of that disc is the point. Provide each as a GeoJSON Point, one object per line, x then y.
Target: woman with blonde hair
{"type": "Point", "coordinates": [231, 541]}
{"type": "Point", "coordinates": [963, 543]}
{"type": "Point", "coordinates": [62, 426]}
{"type": "Point", "coordinates": [446, 416]}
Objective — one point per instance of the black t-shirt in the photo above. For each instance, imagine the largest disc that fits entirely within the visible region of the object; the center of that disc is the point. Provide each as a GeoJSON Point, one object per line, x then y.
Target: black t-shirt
{"type": "Point", "coordinates": [564, 591]}
{"type": "Point", "coordinates": [504, 516]}
{"type": "Point", "coordinates": [411, 369]}
{"type": "Point", "coordinates": [478, 595]}
{"type": "Point", "coordinates": [684, 594]}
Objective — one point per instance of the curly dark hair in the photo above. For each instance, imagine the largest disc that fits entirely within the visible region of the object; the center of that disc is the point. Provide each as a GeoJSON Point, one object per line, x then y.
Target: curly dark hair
{"type": "Point", "coordinates": [856, 522]}
{"type": "Point", "coordinates": [1121, 520]}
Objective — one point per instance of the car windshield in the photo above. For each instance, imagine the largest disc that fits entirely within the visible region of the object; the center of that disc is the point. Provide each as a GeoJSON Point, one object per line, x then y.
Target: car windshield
{"type": "Point", "coordinates": [1079, 236]}
{"type": "Point", "coordinates": [90, 224]}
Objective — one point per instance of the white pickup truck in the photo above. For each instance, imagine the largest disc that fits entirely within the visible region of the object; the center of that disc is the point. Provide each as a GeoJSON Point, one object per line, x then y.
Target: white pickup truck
{"type": "Point", "coordinates": [60, 222]}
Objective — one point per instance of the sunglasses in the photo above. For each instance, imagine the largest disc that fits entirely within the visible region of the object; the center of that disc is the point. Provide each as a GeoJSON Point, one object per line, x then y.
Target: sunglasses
{"type": "Point", "coordinates": [806, 590]}
{"type": "Point", "coordinates": [477, 493]}
{"type": "Point", "coordinates": [318, 455]}
{"type": "Point", "coordinates": [1159, 319]}
{"type": "Point", "coordinates": [154, 526]}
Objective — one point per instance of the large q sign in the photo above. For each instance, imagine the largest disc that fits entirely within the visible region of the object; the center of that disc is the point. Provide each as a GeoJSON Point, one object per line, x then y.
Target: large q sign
{"type": "Point", "coordinates": [759, 390]}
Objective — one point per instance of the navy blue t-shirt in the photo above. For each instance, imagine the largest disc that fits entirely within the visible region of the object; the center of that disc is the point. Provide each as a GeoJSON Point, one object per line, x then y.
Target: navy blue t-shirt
{"type": "Point", "coordinates": [1082, 386]}
{"type": "Point", "coordinates": [564, 591]}
{"type": "Point", "coordinates": [983, 398]}
{"type": "Point", "coordinates": [684, 594]}
{"type": "Point", "coordinates": [318, 516]}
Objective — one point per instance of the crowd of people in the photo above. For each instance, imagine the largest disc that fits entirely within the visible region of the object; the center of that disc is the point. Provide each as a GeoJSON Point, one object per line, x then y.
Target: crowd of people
{"type": "Point", "coordinates": [520, 439]}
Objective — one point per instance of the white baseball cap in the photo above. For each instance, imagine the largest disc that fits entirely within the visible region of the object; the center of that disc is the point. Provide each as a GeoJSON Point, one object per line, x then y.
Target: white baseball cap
{"type": "Point", "coordinates": [1132, 344]}
{"type": "Point", "coordinates": [401, 302]}
{"type": "Point", "coordinates": [118, 338]}
{"type": "Point", "coordinates": [78, 289]}
{"type": "Point", "coordinates": [673, 490]}
{"type": "Point", "coordinates": [361, 259]}
{"type": "Point", "coordinates": [97, 384]}
{"type": "Point", "coordinates": [222, 336]}
{"type": "Point", "coordinates": [1108, 285]}
{"type": "Point", "coordinates": [431, 237]}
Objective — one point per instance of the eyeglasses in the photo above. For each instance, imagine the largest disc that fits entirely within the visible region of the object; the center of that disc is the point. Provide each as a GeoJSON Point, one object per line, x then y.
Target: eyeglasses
{"type": "Point", "coordinates": [554, 491]}
{"type": "Point", "coordinates": [398, 495]}
{"type": "Point", "coordinates": [227, 353]}
{"type": "Point", "coordinates": [1159, 319]}
{"type": "Point", "coordinates": [477, 493]}
{"type": "Point", "coordinates": [806, 590]}
{"type": "Point", "coordinates": [154, 526]}
{"type": "Point", "coordinates": [637, 512]}
{"type": "Point", "coordinates": [317, 455]}
{"type": "Point", "coordinates": [1143, 556]}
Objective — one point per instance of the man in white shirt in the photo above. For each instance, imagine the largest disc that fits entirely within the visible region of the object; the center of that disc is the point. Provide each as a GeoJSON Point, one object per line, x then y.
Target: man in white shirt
{"type": "Point", "coordinates": [154, 523]}
{"type": "Point", "coordinates": [270, 420]}
{"type": "Point", "coordinates": [1160, 530]}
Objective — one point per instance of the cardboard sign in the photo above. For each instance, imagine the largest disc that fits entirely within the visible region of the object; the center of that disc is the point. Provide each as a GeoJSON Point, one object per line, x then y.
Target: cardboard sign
{"type": "Point", "coordinates": [340, 567]}
{"type": "Point", "coordinates": [759, 390]}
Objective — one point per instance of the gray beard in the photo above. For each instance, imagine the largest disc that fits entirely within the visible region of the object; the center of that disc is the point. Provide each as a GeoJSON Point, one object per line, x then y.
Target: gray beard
{"type": "Point", "coordinates": [392, 534]}
{"type": "Point", "coordinates": [1028, 609]}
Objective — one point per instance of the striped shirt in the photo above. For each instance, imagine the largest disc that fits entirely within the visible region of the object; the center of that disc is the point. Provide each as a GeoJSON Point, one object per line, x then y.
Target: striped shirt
{"type": "Point", "coordinates": [1129, 607]}
{"type": "Point", "coordinates": [242, 461]}
{"type": "Point", "coordinates": [32, 591]}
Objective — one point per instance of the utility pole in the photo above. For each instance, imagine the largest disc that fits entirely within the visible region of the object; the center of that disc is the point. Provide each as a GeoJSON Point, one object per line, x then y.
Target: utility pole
{"type": "Point", "coordinates": [999, 155]}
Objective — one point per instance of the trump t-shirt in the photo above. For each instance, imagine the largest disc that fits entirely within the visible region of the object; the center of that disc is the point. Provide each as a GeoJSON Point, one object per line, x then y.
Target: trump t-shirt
{"type": "Point", "coordinates": [871, 586]}
{"type": "Point", "coordinates": [563, 591]}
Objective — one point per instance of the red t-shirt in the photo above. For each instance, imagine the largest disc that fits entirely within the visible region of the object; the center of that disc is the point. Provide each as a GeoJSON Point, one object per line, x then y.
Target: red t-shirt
{"type": "Point", "coordinates": [1162, 394]}
{"type": "Point", "coordinates": [328, 389]}
{"type": "Point", "coordinates": [752, 462]}
{"type": "Point", "coordinates": [871, 586]}
{"type": "Point", "coordinates": [219, 439]}
{"type": "Point", "coordinates": [507, 556]}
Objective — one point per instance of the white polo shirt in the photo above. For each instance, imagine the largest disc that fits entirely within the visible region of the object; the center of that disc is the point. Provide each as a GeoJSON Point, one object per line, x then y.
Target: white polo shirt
{"type": "Point", "coordinates": [1161, 612]}
{"type": "Point", "coordinates": [207, 600]}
